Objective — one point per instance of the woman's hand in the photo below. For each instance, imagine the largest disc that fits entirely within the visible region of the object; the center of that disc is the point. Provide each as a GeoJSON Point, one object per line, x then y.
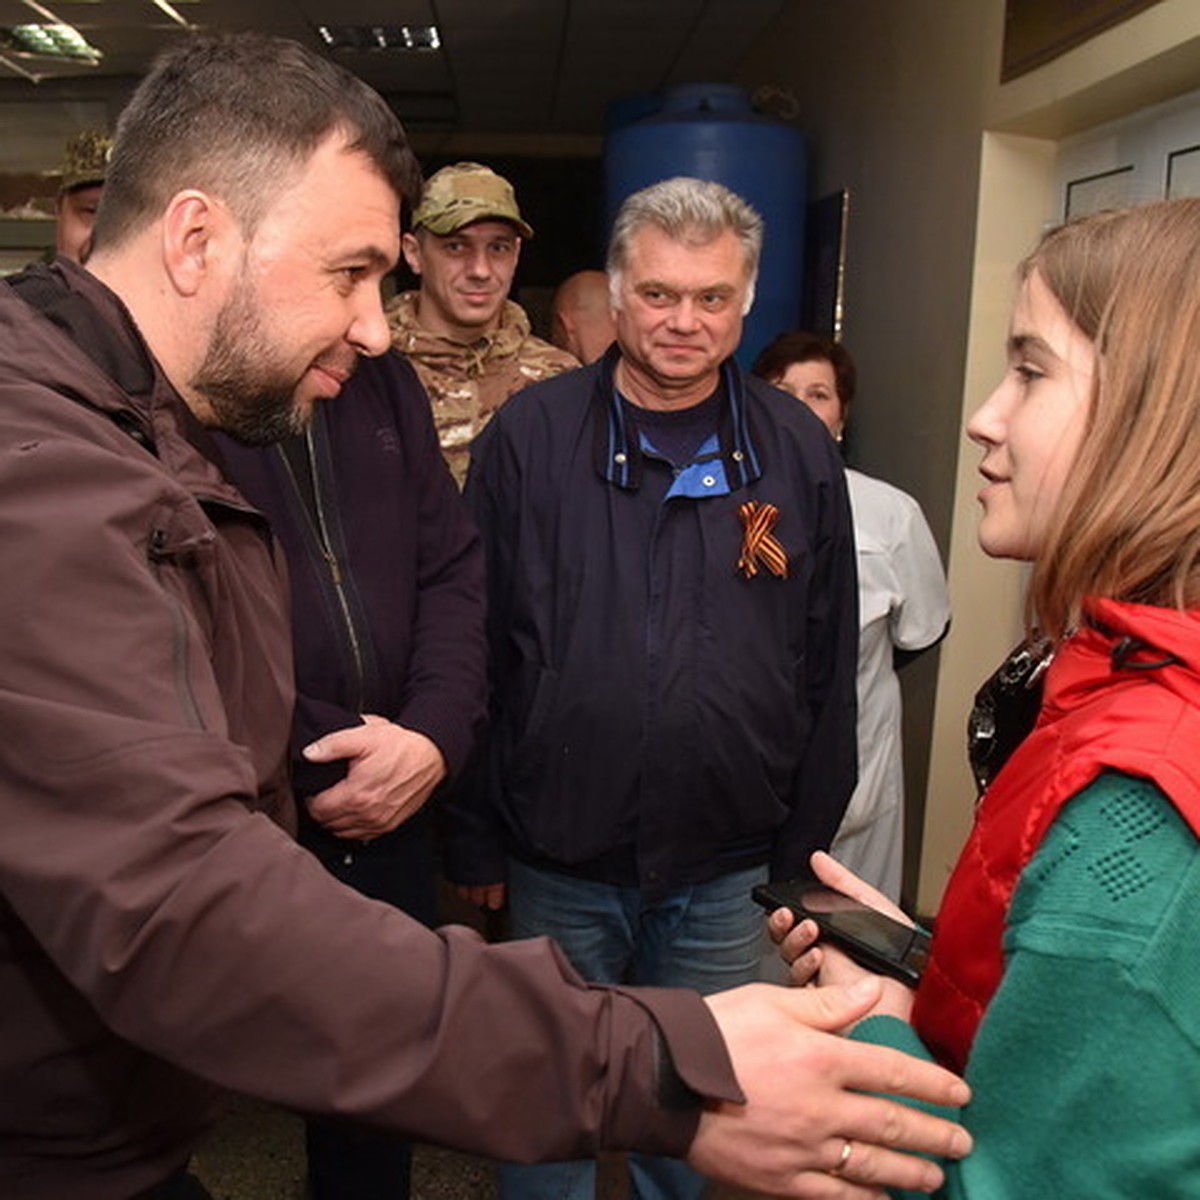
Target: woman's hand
{"type": "Point", "coordinates": [831, 873]}
{"type": "Point", "coordinates": [895, 998]}
{"type": "Point", "coordinates": [813, 962]}
{"type": "Point", "coordinates": [797, 944]}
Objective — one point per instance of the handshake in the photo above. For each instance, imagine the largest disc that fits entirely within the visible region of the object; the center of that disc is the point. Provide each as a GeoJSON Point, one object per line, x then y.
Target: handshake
{"type": "Point", "coordinates": [819, 1119]}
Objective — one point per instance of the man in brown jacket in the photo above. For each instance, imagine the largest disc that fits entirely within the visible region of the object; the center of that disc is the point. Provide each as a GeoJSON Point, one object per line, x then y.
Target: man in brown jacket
{"type": "Point", "coordinates": [161, 935]}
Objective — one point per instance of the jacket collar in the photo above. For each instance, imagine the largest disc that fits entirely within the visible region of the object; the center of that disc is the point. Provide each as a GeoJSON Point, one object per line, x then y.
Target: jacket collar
{"type": "Point", "coordinates": [97, 323]}
{"type": "Point", "coordinates": [86, 345]}
{"type": "Point", "coordinates": [618, 454]}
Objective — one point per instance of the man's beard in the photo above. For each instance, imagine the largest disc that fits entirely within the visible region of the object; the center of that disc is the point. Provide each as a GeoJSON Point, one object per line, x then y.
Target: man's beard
{"type": "Point", "coordinates": [251, 394]}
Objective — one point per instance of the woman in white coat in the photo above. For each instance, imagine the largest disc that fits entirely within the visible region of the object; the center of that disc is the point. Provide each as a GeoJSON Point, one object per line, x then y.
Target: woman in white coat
{"type": "Point", "coordinates": [904, 608]}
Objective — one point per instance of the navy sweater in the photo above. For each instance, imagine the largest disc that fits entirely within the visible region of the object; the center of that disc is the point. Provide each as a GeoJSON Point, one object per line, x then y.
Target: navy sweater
{"type": "Point", "coordinates": [386, 570]}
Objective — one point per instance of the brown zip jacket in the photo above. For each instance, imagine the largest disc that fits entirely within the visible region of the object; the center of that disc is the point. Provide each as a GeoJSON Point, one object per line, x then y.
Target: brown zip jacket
{"type": "Point", "coordinates": [161, 934]}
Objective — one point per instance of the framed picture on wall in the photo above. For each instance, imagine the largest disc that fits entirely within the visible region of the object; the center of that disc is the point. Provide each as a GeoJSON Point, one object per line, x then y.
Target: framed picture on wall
{"type": "Point", "coordinates": [1091, 193]}
{"type": "Point", "coordinates": [822, 301]}
{"type": "Point", "coordinates": [1183, 173]}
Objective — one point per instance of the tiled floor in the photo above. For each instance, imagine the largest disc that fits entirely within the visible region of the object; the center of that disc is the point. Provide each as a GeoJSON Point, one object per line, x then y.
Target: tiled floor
{"type": "Point", "coordinates": [257, 1153]}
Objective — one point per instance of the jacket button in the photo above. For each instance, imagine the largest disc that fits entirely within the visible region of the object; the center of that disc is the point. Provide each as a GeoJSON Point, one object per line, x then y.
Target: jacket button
{"type": "Point", "coordinates": [620, 457]}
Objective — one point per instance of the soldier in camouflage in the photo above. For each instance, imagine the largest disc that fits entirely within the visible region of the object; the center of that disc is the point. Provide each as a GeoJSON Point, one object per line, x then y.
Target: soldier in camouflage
{"type": "Point", "coordinates": [471, 346]}
{"type": "Point", "coordinates": [83, 174]}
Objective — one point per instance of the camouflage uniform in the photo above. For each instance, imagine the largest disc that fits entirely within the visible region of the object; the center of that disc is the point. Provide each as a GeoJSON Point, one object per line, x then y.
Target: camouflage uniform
{"type": "Point", "coordinates": [467, 382]}
{"type": "Point", "coordinates": [86, 161]}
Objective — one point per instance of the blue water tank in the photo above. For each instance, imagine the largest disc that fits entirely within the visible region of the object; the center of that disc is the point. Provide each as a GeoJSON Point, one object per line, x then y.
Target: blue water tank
{"type": "Point", "coordinates": [710, 131]}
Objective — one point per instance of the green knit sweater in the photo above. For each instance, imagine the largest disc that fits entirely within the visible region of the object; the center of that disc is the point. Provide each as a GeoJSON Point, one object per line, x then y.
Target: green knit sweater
{"type": "Point", "coordinates": [1086, 1068]}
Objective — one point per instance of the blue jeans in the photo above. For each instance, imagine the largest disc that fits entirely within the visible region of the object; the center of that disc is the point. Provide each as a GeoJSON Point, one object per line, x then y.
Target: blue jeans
{"type": "Point", "coordinates": [708, 938]}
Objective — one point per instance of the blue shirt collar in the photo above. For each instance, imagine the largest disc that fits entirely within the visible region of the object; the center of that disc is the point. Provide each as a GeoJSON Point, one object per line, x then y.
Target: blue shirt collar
{"type": "Point", "coordinates": [618, 453]}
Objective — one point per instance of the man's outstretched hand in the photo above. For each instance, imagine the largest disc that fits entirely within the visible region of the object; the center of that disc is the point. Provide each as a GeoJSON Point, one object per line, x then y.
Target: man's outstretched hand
{"type": "Point", "coordinates": [807, 1099]}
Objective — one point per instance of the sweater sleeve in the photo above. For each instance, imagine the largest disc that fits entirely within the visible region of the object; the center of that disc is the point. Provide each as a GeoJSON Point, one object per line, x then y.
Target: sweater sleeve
{"type": "Point", "coordinates": [1095, 1017]}
{"type": "Point", "coordinates": [446, 684]}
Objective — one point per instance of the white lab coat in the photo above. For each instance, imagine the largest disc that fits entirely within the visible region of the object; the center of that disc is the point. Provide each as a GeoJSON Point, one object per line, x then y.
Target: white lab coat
{"type": "Point", "coordinates": [903, 604]}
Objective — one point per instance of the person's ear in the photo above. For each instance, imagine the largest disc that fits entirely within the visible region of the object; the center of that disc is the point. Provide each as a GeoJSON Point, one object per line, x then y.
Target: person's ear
{"type": "Point", "coordinates": [196, 234]}
{"type": "Point", "coordinates": [410, 247]}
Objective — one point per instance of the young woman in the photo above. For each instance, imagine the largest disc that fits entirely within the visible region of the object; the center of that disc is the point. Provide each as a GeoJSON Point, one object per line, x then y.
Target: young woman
{"type": "Point", "coordinates": [1065, 974]}
{"type": "Point", "coordinates": [903, 607]}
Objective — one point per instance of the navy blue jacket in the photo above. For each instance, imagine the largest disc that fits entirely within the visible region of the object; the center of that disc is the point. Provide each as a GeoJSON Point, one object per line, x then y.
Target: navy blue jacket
{"type": "Point", "coordinates": [387, 584]}
{"type": "Point", "coordinates": [659, 718]}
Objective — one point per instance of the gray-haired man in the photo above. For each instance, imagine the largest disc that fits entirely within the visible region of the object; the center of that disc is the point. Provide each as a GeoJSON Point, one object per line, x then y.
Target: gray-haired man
{"type": "Point", "coordinates": [674, 635]}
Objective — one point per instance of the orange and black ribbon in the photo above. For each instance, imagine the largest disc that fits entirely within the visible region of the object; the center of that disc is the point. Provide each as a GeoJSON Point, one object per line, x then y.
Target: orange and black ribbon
{"type": "Point", "coordinates": [760, 547]}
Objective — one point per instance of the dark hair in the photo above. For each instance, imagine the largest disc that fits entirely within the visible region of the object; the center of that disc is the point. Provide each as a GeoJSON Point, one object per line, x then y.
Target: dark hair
{"type": "Point", "coordinates": [799, 347]}
{"type": "Point", "coordinates": [235, 114]}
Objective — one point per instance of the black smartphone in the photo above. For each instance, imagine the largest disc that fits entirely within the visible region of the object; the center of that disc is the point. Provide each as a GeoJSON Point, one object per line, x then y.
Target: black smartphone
{"type": "Point", "coordinates": [873, 940]}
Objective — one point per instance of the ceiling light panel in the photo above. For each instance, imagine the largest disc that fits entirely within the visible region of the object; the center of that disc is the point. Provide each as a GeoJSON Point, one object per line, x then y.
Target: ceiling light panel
{"type": "Point", "coordinates": [63, 43]}
{"type": "Point", "coordinates": [395, 38]}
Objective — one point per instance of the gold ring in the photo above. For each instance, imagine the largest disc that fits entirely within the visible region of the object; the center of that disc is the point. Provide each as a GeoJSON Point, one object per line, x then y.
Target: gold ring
{"type": "Point", "coordinates": [844, 1161]}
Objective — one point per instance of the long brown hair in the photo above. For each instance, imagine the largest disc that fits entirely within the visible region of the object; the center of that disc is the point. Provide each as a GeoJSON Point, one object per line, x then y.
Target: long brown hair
{"type": "Point", "coordinates": [1128, 523]}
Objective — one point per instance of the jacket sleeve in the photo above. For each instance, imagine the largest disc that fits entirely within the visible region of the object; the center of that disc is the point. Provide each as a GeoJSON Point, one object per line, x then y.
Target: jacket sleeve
{"type": "Point", "coordinates": [828, 768]}
{"type": "Point", "coordinates": [194, 927]}
{"type": "Point", "coordinates": [920, 618]}
{"type": "Point", "coordinates": [475, 840]}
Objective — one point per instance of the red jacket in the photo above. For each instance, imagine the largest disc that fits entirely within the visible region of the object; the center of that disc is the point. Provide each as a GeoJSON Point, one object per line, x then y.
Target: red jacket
{"type": "Point", "coordinates": [1108, 705]}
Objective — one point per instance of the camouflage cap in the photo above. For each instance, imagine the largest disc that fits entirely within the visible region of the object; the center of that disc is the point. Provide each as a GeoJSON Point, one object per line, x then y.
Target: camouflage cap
{"type": "Point", "coordinates": [86, 162]}
{"type": "Point", "coordinates": [465, 192]}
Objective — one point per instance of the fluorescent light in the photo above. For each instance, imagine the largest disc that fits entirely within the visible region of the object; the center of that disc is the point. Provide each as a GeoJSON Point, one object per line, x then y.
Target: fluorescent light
{"type": "Point", "coordinates": [374, 38]}
{"type": "Point", "coordinates": [62, 42]}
